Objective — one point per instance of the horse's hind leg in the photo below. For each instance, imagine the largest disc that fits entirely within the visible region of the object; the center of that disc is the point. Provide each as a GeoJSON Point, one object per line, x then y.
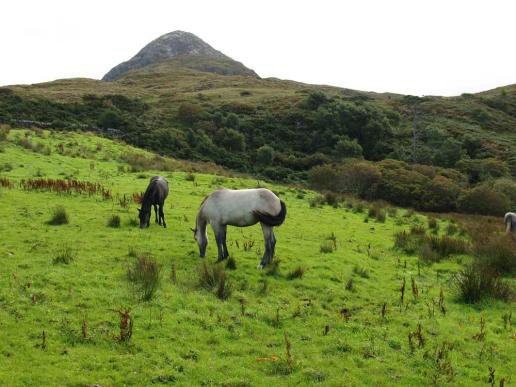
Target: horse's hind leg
{"type": "Point", "coordinates": [270, 243]}
{"type": "Point", "coordinates": [224, 245]}
{"type": "Point", "coordinates": [220, 238]}
{"type": "Point", "coordinates": [156, 213]}
{"type": "Point", "coordinates": [162, 216]}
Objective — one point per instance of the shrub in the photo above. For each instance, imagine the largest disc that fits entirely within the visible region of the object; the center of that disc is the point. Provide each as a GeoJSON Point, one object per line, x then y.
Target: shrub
{"type": "Point", "coordinates": [189, 113]}
{"type": "Point", "coordinates": [498, 253]}
{"type": "Point", "coordinates": [145, 274]}
{"type": "Point", "coordinates": [114, 221]}
{"type": "Point", "coordinates": [476, 283]}
{"type": "Point", "coordinates": [440, 195]}
{"type": "Point", "coordinates": [483, 200]}
{"type": "Point", "coordinates": [507, 187]}
{"type": "Point", "coordinates": [59, 216]}
{"type": "Point", "coordinates": [378, 212]}
{"type": "Point", "coordinates": [323, 177]}
{"type": "Point", "coordinates": [427, 254]}
{"type": "Point", "coordinates": [406, 242]}
{"type": "Point", "coordinates": [432, 224]}
{"type": "Point", "coordinates": [264, 155]}
{"type": "Point", "coordinates": [298, 272]}
{"type": "Point", "coordinates": [445, 245]}
{"type": "Point", "coordinates": [64, 255]}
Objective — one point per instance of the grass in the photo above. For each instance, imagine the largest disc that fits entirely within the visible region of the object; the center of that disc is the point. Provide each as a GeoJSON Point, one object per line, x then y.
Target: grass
{"type": "Point", "coordinates": [145, 273]}
{"type": "Point", "coordinates": [59, 216]}
{"type": "Point", "coordinates": [185, 333]}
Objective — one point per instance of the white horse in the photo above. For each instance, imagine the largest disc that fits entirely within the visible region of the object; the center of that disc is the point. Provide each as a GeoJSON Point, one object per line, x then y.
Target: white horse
{"type": "Point", "coordinates": [240, 208]}
{"type": "Point", "coordinates": [510, 222]}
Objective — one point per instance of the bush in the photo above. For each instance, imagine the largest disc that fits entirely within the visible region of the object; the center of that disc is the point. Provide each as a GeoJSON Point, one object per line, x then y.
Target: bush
{"type": "Point", "coordinates": [378, 212]}
{"type": "Point", "coordinates": [59, 216]}
{"type": "Point", "coordinates": [264, 155]}
{"type": "Point", "coordinates": [475, 283]}
{"type": "Point", "coordinates": [432, 224]}
{"type": "Point", "coordinates": [497, 253]}
{"type": "Point", "coordinates": [189, 113]}
{"type": "Point", "coordinates": [483, 200]}
{"type": "Point", "coordinates": [145, 274]}
{"type": "Point", "coordinates": [445, 245]}
{"type": "Point", "coordinates": [114, 221]}
{"type": "Point", "coordinates": [359, 178]}
{"type": "Point", "coordinates": [440, 195]}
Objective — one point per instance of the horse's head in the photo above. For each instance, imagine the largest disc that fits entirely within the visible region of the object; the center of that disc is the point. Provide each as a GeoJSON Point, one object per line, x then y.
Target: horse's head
{"type": "Point", "coordinates": [202, 241]}
{"type": "Point", "coordinates": [144, 218]}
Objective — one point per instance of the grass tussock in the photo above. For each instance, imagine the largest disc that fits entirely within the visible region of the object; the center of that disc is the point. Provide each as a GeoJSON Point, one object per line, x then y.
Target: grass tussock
{"type": "Point", "coordinates": [361, 271]}
{"type": "Point", "coordinates": [64, 255]}
{"type": "Point", "coordinates": [476, 283]}
{"type": "Point", "coordinates": [298, 272]}
{"type": "Point", "coordinates": [114, 221]}
{"type": "Point", "coordinates": [213, 278]}
{"type": "Point", "coordinates": [497, 253]}
{"type": "Point", "coordinates": [430, 248]}
{"type": "Point", "coordinates": [377, 212]}
{"type": "Point", "coordinates": [59, 216]}
{"type": "Point", "coordinates": [145, 274]}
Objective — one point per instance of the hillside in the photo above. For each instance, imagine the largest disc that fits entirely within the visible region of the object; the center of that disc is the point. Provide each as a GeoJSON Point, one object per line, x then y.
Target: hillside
{"type": "Point", "coordinates": [337, 270]}
{"type": "Point", "coordinates": [174, 100]}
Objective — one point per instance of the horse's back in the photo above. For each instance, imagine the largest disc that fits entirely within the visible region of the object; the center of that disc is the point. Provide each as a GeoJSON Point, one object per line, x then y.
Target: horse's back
{"type": "Point", "coordinates": [158, 188]}
{"type": "Point", "coordinates": [237, 207]}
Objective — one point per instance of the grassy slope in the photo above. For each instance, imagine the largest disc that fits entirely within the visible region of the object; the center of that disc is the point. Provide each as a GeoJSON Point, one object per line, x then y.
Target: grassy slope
{"type": "Point", "coordinates": [199, 338]}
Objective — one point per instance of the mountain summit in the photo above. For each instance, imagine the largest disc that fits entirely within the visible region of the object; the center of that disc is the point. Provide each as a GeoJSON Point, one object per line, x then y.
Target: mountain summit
{"type": "Point", "coordinates": [185, 48]}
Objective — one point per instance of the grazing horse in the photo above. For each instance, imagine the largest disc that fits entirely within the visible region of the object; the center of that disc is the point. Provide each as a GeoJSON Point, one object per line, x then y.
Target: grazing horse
{"type": "Point", "coordinates": [155, 195]}
{"type": "Point", "coordinates": [510, 222]}
{"type": "Point", "coordinates": [240, 208]}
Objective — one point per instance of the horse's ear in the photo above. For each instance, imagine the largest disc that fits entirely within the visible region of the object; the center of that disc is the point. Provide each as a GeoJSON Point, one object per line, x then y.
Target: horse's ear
{"type": "Point", "coordinates": [139, 209]}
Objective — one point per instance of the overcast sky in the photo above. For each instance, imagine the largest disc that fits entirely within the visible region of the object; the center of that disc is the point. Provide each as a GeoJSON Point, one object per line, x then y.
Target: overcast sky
{"type": "Point", "coordinates": [412, 47]}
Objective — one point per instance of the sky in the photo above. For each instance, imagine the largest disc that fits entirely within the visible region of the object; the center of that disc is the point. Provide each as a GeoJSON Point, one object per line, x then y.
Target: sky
{"type": "Point", "coordinates": [402, 46]}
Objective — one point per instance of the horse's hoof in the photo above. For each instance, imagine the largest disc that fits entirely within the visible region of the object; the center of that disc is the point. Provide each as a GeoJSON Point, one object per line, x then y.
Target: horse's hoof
{"type": "Point", "coordinates": [260, 266]}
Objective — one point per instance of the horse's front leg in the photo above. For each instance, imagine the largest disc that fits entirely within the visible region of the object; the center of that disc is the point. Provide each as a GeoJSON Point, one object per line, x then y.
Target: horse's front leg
{"type": "Point", "coordinates": [220, 237]}
{"type": "Point", "coordinates": [162, 215]}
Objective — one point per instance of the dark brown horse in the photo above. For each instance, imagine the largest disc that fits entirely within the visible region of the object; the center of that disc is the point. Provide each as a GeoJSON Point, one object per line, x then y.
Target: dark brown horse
{"type": "Point", "coordinates": [155, 195]}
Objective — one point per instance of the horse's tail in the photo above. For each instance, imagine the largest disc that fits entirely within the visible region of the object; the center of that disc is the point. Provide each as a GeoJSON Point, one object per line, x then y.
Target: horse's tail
{"type": "Point", "coordinates": [271, 220]}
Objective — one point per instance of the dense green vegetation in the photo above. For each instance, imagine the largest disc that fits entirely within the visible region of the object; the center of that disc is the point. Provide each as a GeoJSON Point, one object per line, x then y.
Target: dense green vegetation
{"type": "Point", "coordinates": [360, 294]}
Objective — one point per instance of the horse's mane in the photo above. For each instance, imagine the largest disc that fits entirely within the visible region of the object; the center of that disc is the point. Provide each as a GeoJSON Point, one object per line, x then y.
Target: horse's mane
{"type": "Point", "coordinates": [203, 200]}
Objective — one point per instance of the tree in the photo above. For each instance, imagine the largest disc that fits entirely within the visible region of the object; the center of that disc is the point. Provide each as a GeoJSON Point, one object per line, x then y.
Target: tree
{"type": "Point", "coordinates": [483, 200]}
{"type": "Point", "coordinates": [232, 121]}
{"type": "Point", "coordinates": [189, 113]}
{"type": "Point", "coordinates": [264, 155]}
{"type": "Point", "coordinates": [111, 119]}
{"type": "Point", "coordinates": [231, 139]}
{"type": "Point", "coordinates": [347, 148]}
{"type": "Point", "coordinates": [316, 99]}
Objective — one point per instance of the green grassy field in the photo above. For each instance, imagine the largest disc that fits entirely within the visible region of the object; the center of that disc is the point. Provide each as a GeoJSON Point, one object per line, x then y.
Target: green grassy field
{"type": "Point", "coordinates": [59, 323]}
